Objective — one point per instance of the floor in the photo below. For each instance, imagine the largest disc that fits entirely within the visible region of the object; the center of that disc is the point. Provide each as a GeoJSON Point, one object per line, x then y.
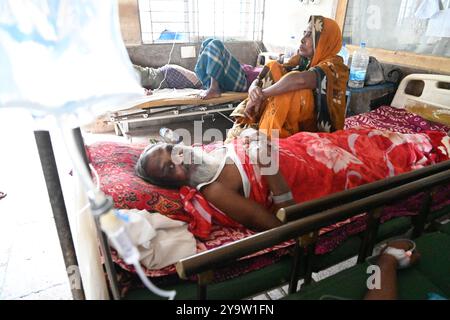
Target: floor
{"type": "Point", "coordinates": [31, 264]}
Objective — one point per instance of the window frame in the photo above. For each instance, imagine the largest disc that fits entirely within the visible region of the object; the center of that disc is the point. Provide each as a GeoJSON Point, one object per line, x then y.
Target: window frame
{"type": "Point", "coordinates": [257, 32]}
{"type": "Point", "coordinates": [401, 58]}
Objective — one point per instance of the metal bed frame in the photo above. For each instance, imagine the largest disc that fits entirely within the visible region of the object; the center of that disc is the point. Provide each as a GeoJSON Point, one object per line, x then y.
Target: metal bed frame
{"type": "Point", "coordinates": [122, 120]}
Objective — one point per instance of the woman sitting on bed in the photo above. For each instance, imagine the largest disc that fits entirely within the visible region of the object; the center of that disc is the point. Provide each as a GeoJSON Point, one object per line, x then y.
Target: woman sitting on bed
{"type": "Point", "coordinates": [249, 179]}
{"type": "Point", "coordinates": [305, 94]}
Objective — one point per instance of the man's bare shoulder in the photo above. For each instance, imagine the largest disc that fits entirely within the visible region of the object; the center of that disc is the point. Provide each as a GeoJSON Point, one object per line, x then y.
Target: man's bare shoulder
{"type": "Point", "coordinates": [219, 192]}
{"type": "Point", "coordinates": [215, 190]}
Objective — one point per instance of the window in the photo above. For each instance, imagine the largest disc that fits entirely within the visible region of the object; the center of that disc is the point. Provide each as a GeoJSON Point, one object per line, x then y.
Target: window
{"type": "Point", "coordinates": [394, 25]}
{"type": "Point", "coordinates": [196, 20]}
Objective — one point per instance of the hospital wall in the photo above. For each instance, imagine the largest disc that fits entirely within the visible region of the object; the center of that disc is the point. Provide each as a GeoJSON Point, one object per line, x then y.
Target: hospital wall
{"type": "Point", "coordinates": [286, 18]}
{"type": "Point", "coordinates": [280, 23]}
{"type": "Point", "coordinates": [129, 21]}
{"type": "Point", "coordinates": [156, 55]}
{"type": "Point", "coordinates": [282, 19]}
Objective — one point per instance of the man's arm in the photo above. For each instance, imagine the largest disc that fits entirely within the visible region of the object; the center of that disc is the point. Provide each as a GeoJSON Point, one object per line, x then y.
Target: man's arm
{"type": "Point", "coordinates": [388, 273]}
{"type": "Point", "coordinates": [247, 212]}
{"type": "Point", "coordinates": [278, 186]}
{"type": "Point", "coordinates": [267, 157]}
{"type": "Point", "coordinates": [388, 283]}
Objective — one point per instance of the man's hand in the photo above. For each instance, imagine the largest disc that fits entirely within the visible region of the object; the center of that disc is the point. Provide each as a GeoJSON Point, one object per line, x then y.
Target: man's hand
{"type": "Point", "coordinates": [260, 149]}
{"type": "Point", "coordinates": [404, 245]}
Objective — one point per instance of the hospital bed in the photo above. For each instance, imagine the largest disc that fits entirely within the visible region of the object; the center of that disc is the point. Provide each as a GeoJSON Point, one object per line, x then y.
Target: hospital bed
{"type": "Point", "coordinates": [172, 104]}
{"type": "Point", "coordinates": [276, 271]}
{"type": "Point", "coordinates": [303, 261]}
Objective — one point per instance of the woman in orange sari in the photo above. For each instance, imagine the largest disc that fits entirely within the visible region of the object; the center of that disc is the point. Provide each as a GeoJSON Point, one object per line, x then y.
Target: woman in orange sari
{"type": "Point", "coordinates": [305, 94]}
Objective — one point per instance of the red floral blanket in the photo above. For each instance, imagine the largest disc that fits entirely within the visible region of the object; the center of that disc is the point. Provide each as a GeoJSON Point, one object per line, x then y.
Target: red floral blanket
{"type": "Point", "coordinates": [318, 164]}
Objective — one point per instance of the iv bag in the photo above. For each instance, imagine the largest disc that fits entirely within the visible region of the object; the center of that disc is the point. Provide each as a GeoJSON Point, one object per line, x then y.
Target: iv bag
{"type": "Point", "coordinates": [64, 57]}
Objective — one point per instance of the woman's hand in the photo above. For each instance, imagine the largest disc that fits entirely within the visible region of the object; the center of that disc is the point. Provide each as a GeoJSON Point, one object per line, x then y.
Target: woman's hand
{"type": "Point", "coordinates": [255, 100]}
{"type": "Point", "coordinates": [255, 93]}
{"type": "Point", "coordinates": [252, 110]}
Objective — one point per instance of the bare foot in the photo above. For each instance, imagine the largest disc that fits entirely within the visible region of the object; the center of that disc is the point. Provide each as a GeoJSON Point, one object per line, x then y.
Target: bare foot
{"type": "Point", "coordinates": [209, 94]}
{"type": "Point", "coordinates": [212, 92]}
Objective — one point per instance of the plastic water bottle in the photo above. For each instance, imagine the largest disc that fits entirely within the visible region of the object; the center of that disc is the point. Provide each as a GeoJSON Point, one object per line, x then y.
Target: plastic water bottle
{"type": "Point", "coordinates": [358, 70]}
{"type": "Point", "coordinates": [344, 54]}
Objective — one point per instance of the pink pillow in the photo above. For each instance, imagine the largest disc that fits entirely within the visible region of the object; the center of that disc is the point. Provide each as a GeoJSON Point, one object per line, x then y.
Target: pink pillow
{"type": "Point", "coordinates": [114, 163]}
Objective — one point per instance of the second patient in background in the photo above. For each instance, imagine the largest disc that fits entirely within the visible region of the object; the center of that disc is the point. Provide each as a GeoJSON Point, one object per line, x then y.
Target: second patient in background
{"type": "Point", "coordinates": [216, 71]}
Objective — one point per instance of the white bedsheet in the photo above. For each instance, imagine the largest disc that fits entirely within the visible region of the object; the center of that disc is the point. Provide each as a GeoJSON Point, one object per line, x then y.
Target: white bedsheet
{"type": "Point", "coordinates": [161, 241]}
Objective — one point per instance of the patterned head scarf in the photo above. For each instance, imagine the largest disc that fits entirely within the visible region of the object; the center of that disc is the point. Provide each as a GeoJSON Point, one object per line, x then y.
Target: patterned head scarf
{"type": "Point", "coordinates": [327, 38]}
{"type": "Point", "coordinates": [327, 42]}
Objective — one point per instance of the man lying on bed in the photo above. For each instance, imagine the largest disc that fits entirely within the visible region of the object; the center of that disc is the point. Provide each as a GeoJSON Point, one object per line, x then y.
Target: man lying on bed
{"type": "Point", "coordinates": [249, 189]}
{"type": "Point", "coordinates": [169, 76]}
{"type": "Point", "coordinates": [216, 70]}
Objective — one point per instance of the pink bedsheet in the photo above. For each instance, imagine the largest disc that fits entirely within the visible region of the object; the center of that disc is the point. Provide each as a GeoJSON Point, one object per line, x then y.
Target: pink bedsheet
{"type": "Point", "coordinates": [393, 119]}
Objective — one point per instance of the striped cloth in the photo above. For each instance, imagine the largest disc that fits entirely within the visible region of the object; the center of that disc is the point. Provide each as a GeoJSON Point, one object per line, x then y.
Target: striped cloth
{"type": "Point", "coordinates": [217, 62]}
{"type": "Point", "coordinates": [177, 77]}
{"type": "Point", "coordinates": [168, 76]}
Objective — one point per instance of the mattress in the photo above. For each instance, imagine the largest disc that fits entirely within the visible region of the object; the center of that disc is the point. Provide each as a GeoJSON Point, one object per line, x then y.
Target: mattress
{"type": "Point", "coordinates": [177, 97]}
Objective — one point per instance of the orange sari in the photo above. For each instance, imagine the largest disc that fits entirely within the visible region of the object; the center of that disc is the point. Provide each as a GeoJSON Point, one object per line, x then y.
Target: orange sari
{"type": "Point", "coordinates": [303, 110]}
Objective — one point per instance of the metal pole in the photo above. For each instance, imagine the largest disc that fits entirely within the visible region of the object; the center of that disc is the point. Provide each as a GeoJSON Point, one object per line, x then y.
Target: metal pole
{"type": "Point", "coordinates": [104, 246]}
{"type": "Point", "coordinates": [295, 269]}
{"type": "Point", "coordinates": [81, 147]}
{"type": "Point", "coordinates": [55, 194]}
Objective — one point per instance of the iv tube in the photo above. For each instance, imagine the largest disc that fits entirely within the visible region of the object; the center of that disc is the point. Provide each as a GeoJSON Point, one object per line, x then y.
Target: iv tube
{"type": "Point", "coordinates": [101, 206]}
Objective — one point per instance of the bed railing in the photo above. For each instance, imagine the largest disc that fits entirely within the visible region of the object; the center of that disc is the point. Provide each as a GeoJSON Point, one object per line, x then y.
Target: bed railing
{"type": "Point", "coordinates": [305, 230]}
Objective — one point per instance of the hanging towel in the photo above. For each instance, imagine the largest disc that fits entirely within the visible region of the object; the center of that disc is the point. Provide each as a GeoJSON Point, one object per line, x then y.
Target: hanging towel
{"type": "Point", "coordinates": [427, 9]}
{"type": "Point", "coordinates": [439, 25]}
